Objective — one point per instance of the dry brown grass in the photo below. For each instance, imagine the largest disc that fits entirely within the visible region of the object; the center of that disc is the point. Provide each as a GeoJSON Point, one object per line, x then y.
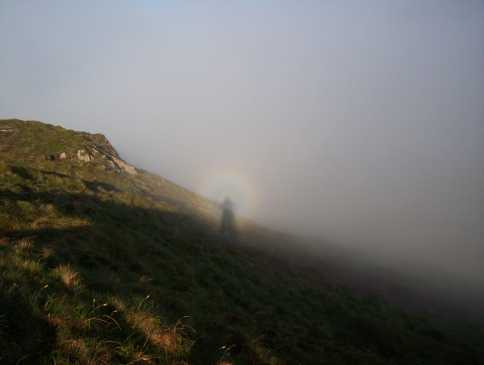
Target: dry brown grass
{"type": "Point", "coordinates": [46, 252]}
{"type": "Point", "coordinates": [168, 339]}
{"type": "Point", "coordinates": [55, 321]}
{"type": "Point", "coordinates": [142, 358]}
{"type": "Point", "coordinates": [118, 304]}
{"type": "Point", "coordinates": [29, 266]}
{"type": "Point", "coordinates": [68, 276]}
{"type": "Point", "coordinates": [24, 245]}
{"type": "Point", "coordinates": [99, 354]}
{"type": "Point", "coordinates": [77, 348]}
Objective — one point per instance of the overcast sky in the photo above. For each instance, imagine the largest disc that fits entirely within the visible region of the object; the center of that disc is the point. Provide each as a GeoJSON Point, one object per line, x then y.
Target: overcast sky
{"type": "Point", "coordinates": [361, 121]}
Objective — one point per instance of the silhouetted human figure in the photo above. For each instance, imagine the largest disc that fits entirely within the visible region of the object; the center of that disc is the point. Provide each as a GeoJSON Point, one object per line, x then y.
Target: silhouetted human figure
{"type": "Point", "coordinates": [228, 218]}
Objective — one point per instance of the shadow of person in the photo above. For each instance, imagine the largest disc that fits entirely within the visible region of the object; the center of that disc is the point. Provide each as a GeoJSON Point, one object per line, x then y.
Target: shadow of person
{"type": "Point", "coordinates": [227, 225]}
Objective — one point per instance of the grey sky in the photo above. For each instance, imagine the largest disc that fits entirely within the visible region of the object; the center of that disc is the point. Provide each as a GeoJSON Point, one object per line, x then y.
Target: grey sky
{"type": "Point", "coordinates": [361, 121]}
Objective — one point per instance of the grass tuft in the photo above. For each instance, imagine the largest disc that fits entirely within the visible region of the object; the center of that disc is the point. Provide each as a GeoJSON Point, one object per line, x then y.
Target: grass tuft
{"type": "Point", "coordinates": [68, 276]}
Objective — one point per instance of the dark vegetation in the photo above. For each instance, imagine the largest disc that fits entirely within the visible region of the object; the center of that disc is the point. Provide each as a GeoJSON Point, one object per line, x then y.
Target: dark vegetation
{"type": "Point", "coordinates": [98, 266]}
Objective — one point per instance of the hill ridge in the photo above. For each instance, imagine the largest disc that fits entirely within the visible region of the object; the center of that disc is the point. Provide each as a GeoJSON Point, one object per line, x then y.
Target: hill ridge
{"type": "Point", "coordinates": [101, 266]}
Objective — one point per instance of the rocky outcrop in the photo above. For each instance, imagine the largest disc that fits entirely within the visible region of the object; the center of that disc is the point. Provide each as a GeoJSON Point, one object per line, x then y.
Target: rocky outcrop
{"type": "Point", "coordinates": [60, 156]}
{"type": "Point", "coordinates": [107, 153]}
{"type": "Point", "coordinates": [104, 154]}
{"type": "Point", "coordinates": [83, 155]}
{"type": "Point", "coordinates": [7, 130]}
{"type": "Point", "coordinates": [124, 166]}
{"type": "Point", "coordinates": [35, 140]}
{"type": "Point", "coordinates": [100, 144]}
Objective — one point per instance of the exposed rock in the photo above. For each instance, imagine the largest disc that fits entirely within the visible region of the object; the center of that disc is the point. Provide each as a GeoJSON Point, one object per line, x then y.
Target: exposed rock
{"type": "Point", "coordinates": [102, 145]}
{"type": "Point", "coordinates": [124, 166]}
{"type": "Point", "coordinates": [83, 155]}
{"type": "Point", "coordinates": [106, 152]}
{"type": "Point", "coordinates": [62, 156]}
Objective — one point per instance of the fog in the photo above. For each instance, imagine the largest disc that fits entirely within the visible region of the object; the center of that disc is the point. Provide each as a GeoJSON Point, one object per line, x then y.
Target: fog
{"type": "Point", "coordinates": [359, 122]}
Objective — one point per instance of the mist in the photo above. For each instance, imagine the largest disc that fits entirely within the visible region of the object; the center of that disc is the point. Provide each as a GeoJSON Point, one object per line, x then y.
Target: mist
{"type": "Point", "coordinates": [358, 122]}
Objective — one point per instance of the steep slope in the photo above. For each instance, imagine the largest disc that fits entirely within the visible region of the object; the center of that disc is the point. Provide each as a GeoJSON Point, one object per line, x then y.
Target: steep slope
{"type": "Point", "coordinates": [103, 263]}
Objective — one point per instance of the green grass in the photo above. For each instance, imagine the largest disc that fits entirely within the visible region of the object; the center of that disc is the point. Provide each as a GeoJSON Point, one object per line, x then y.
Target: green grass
{"type": "Point", "coordinates": [101, 267]}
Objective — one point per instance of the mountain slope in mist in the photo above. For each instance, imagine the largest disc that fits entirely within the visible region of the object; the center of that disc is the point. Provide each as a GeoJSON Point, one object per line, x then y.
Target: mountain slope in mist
{"type": "Point", "coordinates": [103, 263]}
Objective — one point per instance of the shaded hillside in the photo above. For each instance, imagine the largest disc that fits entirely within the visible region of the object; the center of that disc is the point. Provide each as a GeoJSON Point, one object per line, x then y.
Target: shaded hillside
{"type": "Point", "coordinates": [102, 263]}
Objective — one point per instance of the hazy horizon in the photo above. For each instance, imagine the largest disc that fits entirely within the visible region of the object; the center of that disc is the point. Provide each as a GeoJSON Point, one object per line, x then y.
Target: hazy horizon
{"type": "Point", "coordinates": [359, 122]}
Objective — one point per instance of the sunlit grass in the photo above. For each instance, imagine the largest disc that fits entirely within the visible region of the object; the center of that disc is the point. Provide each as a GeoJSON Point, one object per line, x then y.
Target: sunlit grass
{"type": "Point", "coordinates": [68, 276]}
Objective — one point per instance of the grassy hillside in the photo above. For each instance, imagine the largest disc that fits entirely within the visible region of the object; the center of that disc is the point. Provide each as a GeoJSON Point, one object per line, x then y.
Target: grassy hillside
{"type": "Point", "coordinates": [104, 264]}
